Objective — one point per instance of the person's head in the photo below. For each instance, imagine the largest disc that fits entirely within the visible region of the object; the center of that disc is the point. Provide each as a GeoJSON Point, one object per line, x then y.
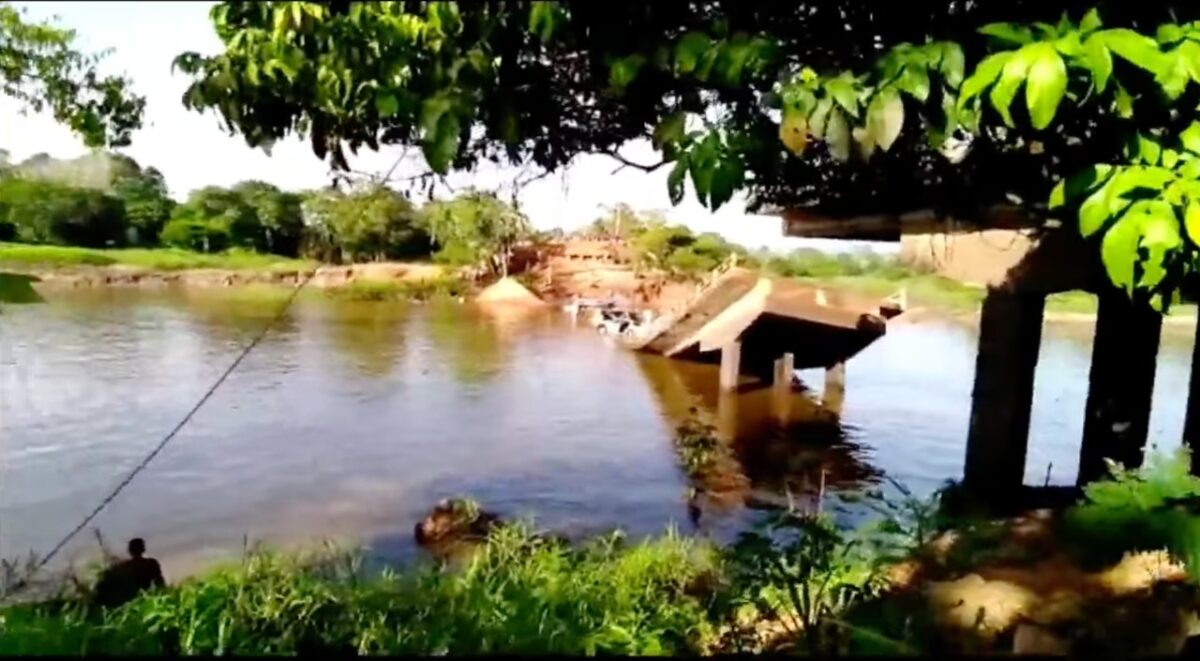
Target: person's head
{"type": "Point", "coordinates": [137, 547]}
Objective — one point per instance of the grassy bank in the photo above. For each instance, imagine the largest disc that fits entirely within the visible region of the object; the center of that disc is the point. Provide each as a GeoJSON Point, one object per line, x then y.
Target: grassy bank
{"type": "Point", "coordinates": [879, 275]}
{"type": "Point", "coordinates": [793, 582]}
{"type": "Point", "coordinates": [161, 259]}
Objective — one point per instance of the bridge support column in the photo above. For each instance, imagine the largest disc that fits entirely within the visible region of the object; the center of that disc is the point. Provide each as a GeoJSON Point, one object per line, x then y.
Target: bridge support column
{"type": "Point", "coordinates": [1191, 424]}
{"type": "Point", "coordinates": [835, 387]}
{"type": "Point", "coordinates": [731, 364]}
{"type": "Point", "coordinates": [1010, 334]}
{"type": "Point", "coordinates": [781, 387]}
{"type": "Point", "coordinates": [1121, 382]}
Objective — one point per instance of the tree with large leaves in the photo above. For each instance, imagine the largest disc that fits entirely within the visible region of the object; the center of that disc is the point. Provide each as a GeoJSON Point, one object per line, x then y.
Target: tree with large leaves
{"type": "Point", "coordinates": [848, 107]}
{"type": "Point", "coordinates": [41, 69]}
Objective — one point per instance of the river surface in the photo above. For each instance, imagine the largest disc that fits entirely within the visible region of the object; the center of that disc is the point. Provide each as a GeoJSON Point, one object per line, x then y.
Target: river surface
{"type": "Point", "coordinates": [351, 419]}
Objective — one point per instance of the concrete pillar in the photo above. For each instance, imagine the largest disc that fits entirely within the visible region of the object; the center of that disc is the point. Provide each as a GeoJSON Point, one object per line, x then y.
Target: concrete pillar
{"type": "Point", "coordinates": [1121, 382]}
{"type": "Point", "coordinates": [1191, 423]}
{"type": "Point", "coordinates": [781, 387]}
{"type": "Point", "coordinates": [1010, 334]}
{"type": "Point", "coordinates": [731, 359]}
{"type": "Point", "coordinates": [727, 416]}
{"type": "Point", "coordinates": [835, 388]}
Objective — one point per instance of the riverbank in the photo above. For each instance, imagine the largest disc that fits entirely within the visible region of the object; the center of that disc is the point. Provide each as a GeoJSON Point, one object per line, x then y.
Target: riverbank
{"type": "Point", "coordinates": [56, 267]}
{"type": "Point", "coordinates": [921, 580]}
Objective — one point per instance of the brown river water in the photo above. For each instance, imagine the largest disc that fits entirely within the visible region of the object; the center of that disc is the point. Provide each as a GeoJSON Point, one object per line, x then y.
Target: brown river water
{"type": "Point", "coordinates": [352, 419]}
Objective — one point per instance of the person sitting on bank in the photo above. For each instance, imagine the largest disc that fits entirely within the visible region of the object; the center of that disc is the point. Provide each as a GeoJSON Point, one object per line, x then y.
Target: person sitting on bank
{"type": "Point", "coordinates": [123, 581]}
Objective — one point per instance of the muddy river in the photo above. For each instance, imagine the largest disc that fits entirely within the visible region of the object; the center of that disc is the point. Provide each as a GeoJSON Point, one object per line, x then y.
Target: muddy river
{"type": "Point", "coordinates": [351, 419]}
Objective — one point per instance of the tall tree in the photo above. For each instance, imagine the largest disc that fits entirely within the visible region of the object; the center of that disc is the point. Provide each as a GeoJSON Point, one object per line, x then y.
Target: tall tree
{"type": "Point", "coordinates": [476, 227]}
{"type": "Point", "coordinates": [848, 107]}
{"type": "Point", "coordinates": [41, 69]}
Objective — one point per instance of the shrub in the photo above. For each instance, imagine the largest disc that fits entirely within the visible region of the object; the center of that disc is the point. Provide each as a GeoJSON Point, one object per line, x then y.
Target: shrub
{"type": "Point", "coordinates": [1146, 509]}
{"type": "Point", "coordinates": [518, 594]}
{"type": "Point", "coordinates": [195, 234]}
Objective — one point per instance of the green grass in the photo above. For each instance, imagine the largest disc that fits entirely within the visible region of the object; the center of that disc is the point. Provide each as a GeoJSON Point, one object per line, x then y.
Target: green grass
{"type": "Point", "coordinates": [877, 275]}
{"type": "Point", "coordinates": [518, 595]}
{"type": "Point", "coordinates": [162, 259]}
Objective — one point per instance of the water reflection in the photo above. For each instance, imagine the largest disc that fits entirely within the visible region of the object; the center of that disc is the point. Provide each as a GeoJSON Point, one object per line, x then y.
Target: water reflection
{"type": "Point", "coordinates": [773, 453]}
{"type": "Point", "coordinates": [369, 336]}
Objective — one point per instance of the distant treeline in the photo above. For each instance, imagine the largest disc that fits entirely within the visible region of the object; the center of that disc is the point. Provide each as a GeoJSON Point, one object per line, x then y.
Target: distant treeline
{"type": "Point", "coordinates": [108, 200]}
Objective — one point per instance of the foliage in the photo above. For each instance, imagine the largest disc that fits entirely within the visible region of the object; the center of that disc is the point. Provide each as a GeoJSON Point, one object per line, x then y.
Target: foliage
{"type": "Point", "coordinates": [1145, 509]}
{"type": "Point", "coordinates": [365, 224]}
{"type": "Point", "coordinates": [45, 212]}
{"type": "Point", "coordinates": [147, 204]}
{"type": "Point", "coordinates": [475, 228]}
{"type": "Point", "coordinates": [420, 290]}
{"type": "Point", "coordinates": [41, 70]}
{"type": "Point", "coordinates": [1034, 95]}
{"type": "Point", "coordinates": [278, 216]}
{"type": "Point", "coordinates": [803, 572]}
{"type": "Point", "coordinates": [518, 595]}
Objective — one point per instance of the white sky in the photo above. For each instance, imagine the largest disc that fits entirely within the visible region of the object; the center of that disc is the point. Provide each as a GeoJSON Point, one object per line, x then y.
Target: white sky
{"type": "Point", "coordinates": [192, 150]}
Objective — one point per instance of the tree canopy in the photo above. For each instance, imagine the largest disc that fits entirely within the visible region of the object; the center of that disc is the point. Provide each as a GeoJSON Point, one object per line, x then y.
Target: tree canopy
{"type": "Point", "coordinates": [42, 70]}
{"type": "Point", "coordinates": [846, 107]}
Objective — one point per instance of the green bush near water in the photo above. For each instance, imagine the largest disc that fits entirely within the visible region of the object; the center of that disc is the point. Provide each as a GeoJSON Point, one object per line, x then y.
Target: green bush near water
{"type": "Point", "coordinates": [517, 595]}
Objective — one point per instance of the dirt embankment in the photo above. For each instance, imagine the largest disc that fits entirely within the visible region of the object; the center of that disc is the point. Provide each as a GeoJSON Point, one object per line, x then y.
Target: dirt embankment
{"type": "Point", "coordinates": [76, 277]}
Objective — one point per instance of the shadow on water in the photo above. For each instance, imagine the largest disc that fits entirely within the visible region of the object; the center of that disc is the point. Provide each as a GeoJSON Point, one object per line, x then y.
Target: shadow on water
{"type": "Point", "coordinates": [16, 288]}
{"type": "Point", "coordinates": [771, 457]}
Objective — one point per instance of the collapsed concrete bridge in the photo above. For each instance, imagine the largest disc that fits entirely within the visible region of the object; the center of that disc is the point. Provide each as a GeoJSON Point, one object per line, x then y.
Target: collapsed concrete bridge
{"type": "Point", "coordinates": [767, 327]}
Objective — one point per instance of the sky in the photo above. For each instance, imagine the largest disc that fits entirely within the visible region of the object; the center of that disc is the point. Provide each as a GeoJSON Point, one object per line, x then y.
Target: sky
{"type": "Point", "coordinates": [192, 150]}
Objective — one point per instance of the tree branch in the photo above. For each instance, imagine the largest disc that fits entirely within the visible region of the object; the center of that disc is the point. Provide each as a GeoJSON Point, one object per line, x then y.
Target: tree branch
{"type": "Point", "coordinates": [626, 163]}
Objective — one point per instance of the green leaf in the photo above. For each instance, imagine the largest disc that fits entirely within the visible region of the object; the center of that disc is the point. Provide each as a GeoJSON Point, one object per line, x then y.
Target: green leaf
{"type": "Point", "coordinates": [1099, 60]}
{"type": "Point", "coordinates": [816, 121]}
{"type": "Point", "coordinates": [837, 136]}
{"type": "Point", "coordinates": [915, 81]}
{"type": "Point", "coordinates": [1081, 183]}
{"type": "Point", "coordinates": [544, 18]}
{"type": "Point", "coordinates": [1189, 53]}
{"type": "Point", "coordinates": [1148, 150]}
{"type": "Point", "coordinates": [953, 64]}
{"type": "Point", "coordinates": [1091, 21]}
{"type": "Point", "coordinates": [864, 140]}
{"type": "Point", "coordinates": [386, 104]}
{"type": "Point", "coordinates": [842, 91]}
{"type": "Point", "coordinates": [1170, 158]}
{"type": "Point", "coordinates": [1011, 77]}
{"type": "Point", "coordinates": [1045, 86]}
{"type": "Point", "coordinates": [1190, 168]}
{"type": "Point", "coordinates": [441, 149]}
{"type": "Point", "coordinates": [1124, 103]}
{"type": "Point", "coordinates": [1008, 32]}
{"type": "Point", "coordinates": [670, 129]}
{"type": "Point", "coordinates": [1191, 222]}
{"type": "Point", "coordinates": [1169, 34]}
{"type": "Point", "coordinates": [984, 75]}
{"type": "Point", "coordinates": [793, 132]}
{"type": "Point", "coordinates": [675, 179]}
{"type": "Point", "coordinates": [1137, 49]}
{"type": "Point", "coordinates": [1190, 138]}
{"type": "Point", "coordinates": [1094, 212]}
{"type": "Point", "coordinates": [885, 117]}
{"type": "Point", "coordinates": [689, 49]}
{"type": "Point", "coordinates": [1118, 251]}
{"type": "Point", "coordinates": [702, 161]}
{"type": "Point", "coordinates": [1160, 236]}
{"type": "Point", "coordinates": [727, 176]}
{"type": "Point", "coordinates": [624, 70]}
